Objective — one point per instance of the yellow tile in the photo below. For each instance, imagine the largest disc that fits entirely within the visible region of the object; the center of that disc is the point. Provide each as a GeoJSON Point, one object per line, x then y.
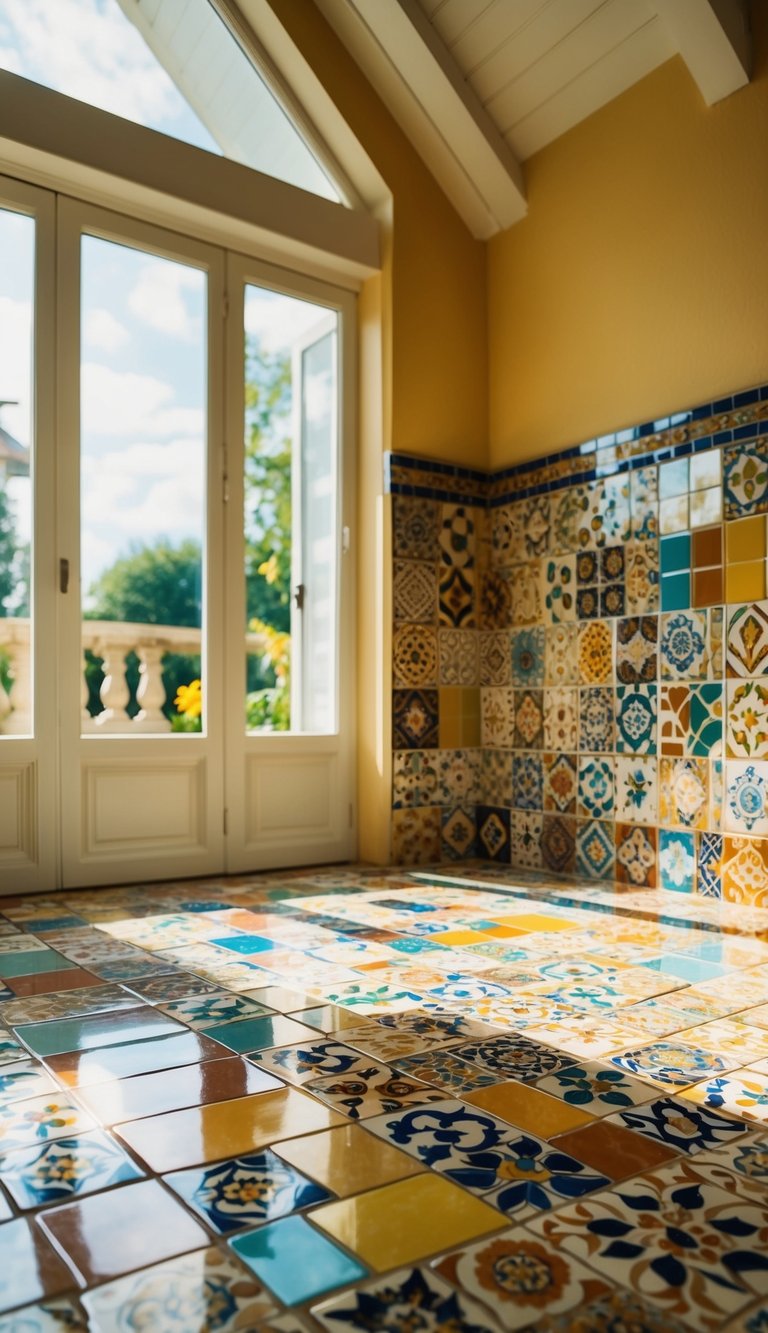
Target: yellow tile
{"type": "Point", "coordinates": [501, 931]}
{"type": "Point", "coordinates": [470, 732]}
{"type": "Point", "coordinates": [387, 1227]}
{"type": "Point", "coordinates": [347, 1160]}
{"type": "Point", "coordinates": [470, 702]}
{"type": "Point", "coordinates": [745, 583]}
{"type": "Point", "coordinates": [450, 731]}
{"type": "Point", "coordinates": [450, 701]}
{"type": "Point", "coordinates": [460, 937]}
{"type": "Point", "coordinates": [223, 1129]}
{"type": "Point", "coordinates": [536, 922]}
{"type": "Point", "coordinates": [531, 1110]}
{"type": "Point", "coordinates": [745, 539]}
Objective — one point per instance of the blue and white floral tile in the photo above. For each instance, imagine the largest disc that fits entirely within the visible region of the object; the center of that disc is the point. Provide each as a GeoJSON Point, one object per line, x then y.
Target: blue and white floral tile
{"type": "Point", "coordinates": [636, 719]}
{"type": "Point", "coordinates": [40, 1119]}
{"type": "Point", "coordinates": [742, 1092]}
{"type": "Point", "coordinates": [527, 782]}
{"type": "Point", "coordinates": [637, 789]}
{"type": "Point", "coordinates": [677, 861]}
{"type": "Point", "coordinates": [511, 1056]}
{"type": "Point", "coordinates": [205, 1010]}
{"type": "Point", "coordinates": [683, 653]}
{"type": "Point", "coordinates": [746, 797]}
{"type": "Point", "coordinates": [371, 1091]}
{"type": "Point", "coordinates": [65, 1169]}
{"type": "Point", "coordinates": [245, 1191]}
{"type": "Point", "coordinates": [746, 653]}
{"type": "Point", "coordinates": [675, 1063]}
{"type": "Point", "coordinates": [205, 1290]}
{"type": "Point", "coordinates": [402, 1301]}
{"type": "Point", "coordinates": [596, 1088]}
{"type": "Point", "coordinates": [307, 1060]}
{"type": "Point", "coordinates": [596, 787]}
{"type": "Point", "coordinates": [57, 1316]}
{"type": "Point", "coordinates": [527, 656]}
{"type": "Point", "coordinates": [445, 1070]}
{"type": "Point", "coordinates": [522, 1280]}
{"type": "Point", "coordinates": [679, 1124]}
{"type": "Point", "coordinates": [696, 1251]}
{"type": "Point", "coordinates": [595, 849]}
{"type": "Point", "coordinates": [19, 1082]}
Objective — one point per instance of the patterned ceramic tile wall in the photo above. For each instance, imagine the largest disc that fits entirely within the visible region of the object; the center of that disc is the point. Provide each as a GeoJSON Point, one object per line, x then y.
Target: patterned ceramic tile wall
{"type": "Point", "coordinates": [580, 664]}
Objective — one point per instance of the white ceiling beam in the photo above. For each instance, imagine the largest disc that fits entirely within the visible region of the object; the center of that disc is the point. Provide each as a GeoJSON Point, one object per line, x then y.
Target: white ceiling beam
{"type": "Point", "coordinates": [713, 38]}
{"type": "Point", "coordinates": [407, 63]}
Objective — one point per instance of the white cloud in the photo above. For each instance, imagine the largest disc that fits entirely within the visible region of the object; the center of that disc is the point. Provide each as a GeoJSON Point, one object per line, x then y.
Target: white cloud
{"type": "Point", "coordinates": [116, 402]}
{"type": "Point", "coordinates": [279, 321]}
{"type": "Point", "coordinates": [16, 365]}
{"type": "Point", "coordinates": [158, 299]}
{"type": "Point", "coordinates": [103, 331]}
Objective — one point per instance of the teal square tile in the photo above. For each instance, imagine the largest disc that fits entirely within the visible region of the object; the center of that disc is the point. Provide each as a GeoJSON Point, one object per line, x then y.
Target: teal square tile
{"type": "Point", "coordinates": [675, 553]}
{"type": "Point", "coordinates": [246, 944]}
{"type": "Point", "coordinates": [87, 1034]}
{"type": "Point", "coordinates": [677, 861]}
{"type": "Point", "coordinates": [64, 1168]}
{"type": "Point", "coordinates": [256, 1034]}
{"type": "Point", "coordinates": [295, 1261]}
{"type": "Point", "coordinates": [692, 970]}
{"type": "Point", "coordinates": [706, 721]}
{"type": "Point", "coordinates": [676, 592]}
{"type": "Point", "coordinates": [36, 960]}
{"type": "Point", "coordinates": [246, 1191]}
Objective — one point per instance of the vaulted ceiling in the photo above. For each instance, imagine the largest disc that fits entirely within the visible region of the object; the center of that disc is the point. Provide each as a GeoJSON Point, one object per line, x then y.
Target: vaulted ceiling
{"type": "Point", "coordinates": [480, 85]}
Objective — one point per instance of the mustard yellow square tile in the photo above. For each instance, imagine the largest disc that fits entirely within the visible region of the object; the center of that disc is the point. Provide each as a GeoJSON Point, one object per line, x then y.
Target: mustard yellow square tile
{"type": "Point", "coordinates": [528, 1109]}
{"type": "Point", "coordinates": [536, 922]}
{"type": "Point", "coordinates": [388, 1227]}
{"type": "Point", "coordinates": [470, 702]}
{"type": "Point", "coordinates": [347, 1160]}
{"type": "Point", "coordinates": [450, 700]}
{"type": "Point", "coordinates": [745, 583]}
{"type": "Point", "coordinates": [470, 732]}
{"type": "Point", "coordinates": [745, 539]}
{"type": "Point", "coordinates": [450, 732]}
{"type": "Point", "coordinates": [460, 937]}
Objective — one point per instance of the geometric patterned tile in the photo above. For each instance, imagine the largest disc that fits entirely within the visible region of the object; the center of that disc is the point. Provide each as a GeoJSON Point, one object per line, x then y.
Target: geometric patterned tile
{"type": "Point", "coordinates": [245, 1191]}
{"type": "Point", "coordinates": [59, 1170]}
{"type": "Point", "coordinates": [409, 1298]}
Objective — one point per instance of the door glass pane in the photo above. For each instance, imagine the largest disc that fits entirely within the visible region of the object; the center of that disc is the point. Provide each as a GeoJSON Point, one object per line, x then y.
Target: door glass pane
{"type": "Point", "coordinates": [291, 514]}
{"type": "Point", "coordinates": [17, 288]}
{"type": "Point", "coordinates": [142, 426]}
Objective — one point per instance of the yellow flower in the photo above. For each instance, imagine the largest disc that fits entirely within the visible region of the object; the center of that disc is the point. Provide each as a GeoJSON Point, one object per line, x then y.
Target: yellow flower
{"type": "Point", "coordinates": [189, 699]}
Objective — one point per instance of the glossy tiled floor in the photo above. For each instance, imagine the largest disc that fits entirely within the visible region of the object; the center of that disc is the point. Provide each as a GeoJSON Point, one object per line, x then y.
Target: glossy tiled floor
{"type": "Point", "coordinates": [381, 1101]}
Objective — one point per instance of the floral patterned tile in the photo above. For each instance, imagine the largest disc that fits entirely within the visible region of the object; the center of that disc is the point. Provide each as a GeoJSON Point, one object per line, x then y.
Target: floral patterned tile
{"type": "Point", "coordinates": [371, 1091]}
{"type": "Point", "coordinates": [622, 1310]}
{"type": "Point", "coordinates": [675, 1063]}
{"type": "Point", "coordinates": [597, 1088]}
{"type": "Point", "coordinates": [511, 1057]}
{"type": "Point", "coordinates": [742, 1092]}
{"type": "Point", "coordinates": [202, 1011]}
{"type": "Point", "coordinates": [636, 789]}
{"type": "Point", "coordinates": [307, 1060]}
{"type": "Point", "coordinates": [445, 1070]}
{"type": "Point", "coordinates": [245, 1191]}
{"type": "Point", "coordinates": [410, 1298]}
{"type": "Point", "coordinates": [695, 1251]}
{"type": "Point", "coordinates": [517, 1173]}
{"type": "Point", "coordinates": [520, 1279]}
{"type": "Point", "coordinates": [18, 1082]}
{"type": "Point", "coordinates": [52, 1116]}
{"type": "Point", "coordinates": [747, 640]}
{"type": "Point", "coordinates": [64, 1168]}
{"type": "Point", "coordinates": [679, 1125]}
{"type": "Point", "coordinates": [57, 1316]}
{"type": "Point", "coordinates": [208, 1287]}
{"type": "Point", "coordinates": [636, 724]}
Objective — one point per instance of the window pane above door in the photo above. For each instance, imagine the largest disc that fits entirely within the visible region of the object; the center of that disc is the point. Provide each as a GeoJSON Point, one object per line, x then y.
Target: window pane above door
{"type": "Point", "coordinates": [17, 290]}
{"type": "Point", "coordinates": [142, 483]}
{"type": "Point", "coordinates": [290, 514]}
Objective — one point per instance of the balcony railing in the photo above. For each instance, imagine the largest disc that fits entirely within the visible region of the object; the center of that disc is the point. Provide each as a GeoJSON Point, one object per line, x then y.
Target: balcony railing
{"type": "Point", "coordinates": [112, 641]}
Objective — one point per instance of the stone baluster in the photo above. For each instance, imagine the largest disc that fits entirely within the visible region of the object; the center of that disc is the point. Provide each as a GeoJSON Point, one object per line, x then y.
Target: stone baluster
{"type": "Point", "coordinates": [115, 694]}
{"type": "Point", "coordinates": [19, 721]}
{"type": "Point", "coordinates": [150, 695]}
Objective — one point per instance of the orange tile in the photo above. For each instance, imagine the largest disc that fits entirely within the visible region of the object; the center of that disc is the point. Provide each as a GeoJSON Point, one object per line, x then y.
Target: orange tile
{"type": "Point", "coordinates": [707, 547]}
{"type": "Point", "coordinates": [613, 1150]}
{"type": "Point", "coordinates": [707, 587]}
{"type": "Point", "coordinates": [537, 921]}
{"type": "Point", "coordinates": [531, 1110]}
{"type": "Point", "coordinates": [460, 937]}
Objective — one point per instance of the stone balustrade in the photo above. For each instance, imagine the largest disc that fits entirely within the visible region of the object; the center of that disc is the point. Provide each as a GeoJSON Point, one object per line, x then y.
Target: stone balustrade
{"type": "Point", "coordinates": [112, 642]}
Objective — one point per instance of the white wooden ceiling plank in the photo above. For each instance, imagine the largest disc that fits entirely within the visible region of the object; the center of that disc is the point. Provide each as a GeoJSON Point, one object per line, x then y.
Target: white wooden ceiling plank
{"type": "Point", "coordinates": [713, 38]}
{"type": "Point", "coordinates": [171, 14]}
{"type": "Point", "coordinates": [186, 36]}
{"type": "Point", "coordinates": [456, 17]}
{"type": "Point", "coordinates": [429, 6]}
{"type": "Point", "coordinates": [601, 33]}
{"type": "Point", "coordinates": [593, 88]}
{"type": "Point", "coordinates": [149, 8]}
{"type": "Point", "coordinates": [532, 42]}
{"type": "Point", "coordinates": [513, 27]}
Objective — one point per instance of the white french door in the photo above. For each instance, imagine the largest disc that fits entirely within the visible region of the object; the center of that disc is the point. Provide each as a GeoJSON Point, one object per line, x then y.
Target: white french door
{"type": "Point", "coordinates": [188, 702]}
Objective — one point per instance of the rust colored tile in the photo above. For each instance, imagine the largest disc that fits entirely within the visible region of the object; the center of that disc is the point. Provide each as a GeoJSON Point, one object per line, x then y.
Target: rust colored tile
{"type": "Point", "coordinates": [79, 1069]}
{"type": "Point", "coordinates": [613, 1150]}
{"type": "Point", "coordinates": [707, 547]}
{"type": "Point", "coordinates": [106, 1235]}
{"type": "Point", "coordinates": [175, 1089]}
{"type": "Point", "coordinates": [707, 587]}
{"type": "Point", "coordinates": [43, 983]}
{"type": "Point", "coordinates": [224, 1129]}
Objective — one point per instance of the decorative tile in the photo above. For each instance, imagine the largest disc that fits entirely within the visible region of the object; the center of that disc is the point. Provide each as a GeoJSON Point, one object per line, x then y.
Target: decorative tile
{"type": "Point", "coordinates": [371, 1091]}
{"type": "Point", "coordinates": [710, 865]}
{"type": "Point", "coordinates": [495, 658]}
{"type": "Point", "coordinates": [561, 655]}
{"type": "Point", "coordinates": [55, 1316]}
{"type": "Point", "coordinates": [674, 719]}
{"type": "Point", "coordinates": [527, 782]}
{"type": "Point", "coordinates": [558, 589]}
{"type": "Point", "coordinates": [560, 783]}
{"type": "Point", "coordinates": [596, 721]}
{"type": "Point", "coordinates": [636, 650]}
{"type": "Point", "coordinates": [596, 788]}
{"type": "Point", "coordinates": [310, 1060]}
{"type": "Point", "coordinates": [677, 861]}
{"type": "Point", "coordinates": [683, 645]}
{"type": "Point", "coordinates": [24, 1080]}
{"type": "Point", "coordinates": [414, 656]}
{"type": "Point", "coordinates": [743, 1093]}
{"type": "Point", "coordinates": [595, 849]}
{"type": "Point", "coordinates": [674, 1063]}
{"type": "Point", "coordinates": [527, 648]}
{"type": "Point", "coordinates": [456, 599]}
{"type": "Point", "coordinates": [557, 843]}
{"type": "Point", "coordinates": [493, 833]}
{"type": "Point", "coordinates": [416, 836]}
{"type": "Point", "coordinates": [31, 1268]}
{"type": "Point", "coordinates": [683, 792]}
{"type": "Point", "coordinates": [642, 576]}
{"type": "Point", "coordinates": [526, 594]}
{"type": "Point", "coordinates": [245, 1191]}
{"type": "Point", "coordinates": [679, 1125]}
{"type": "Point", "coordinates": [561, 719]}
{"type": "Point", "coordinates": [744, 871]}
{"type": "Point", "coordinates": [636, 708]}
{"type": "Point", "coordinates": [597, 1088]}
{"type": "Point", "coordinates": [64, 1168]}
{"type": "Point", "coordinates": [459, 833]}
{"type": "Point", "coordinates": [458, 657]}
{"type": "Point", "coordinates": [746, 805]}
{"type": "Point", "coordinates": [494, 599]}
{"type": "Point", "coordinates": [295, 1261]}
{"type": "Point", "coordinates": [415, 719]}
{"type": "Point", "coordinates": [498, 716]}
{"type": "Point", "coordinates": [636, 855]}
{"type": "Point", "coordinates": [203, 1011]}
{"type": "Point", "coordinates": [445, 1070]}
{"type": "Point", "coordinates": [745, 479]}
{"type": "Point", "coordinates": [521, 1279]}
{"type": "Point", "coordinates": [705, 721]}
{"type": "Point", "coordinates": [525, 839]}
{"type": "Point", "coordinates": [747, 720]}
{"type": "Point", "coordinates": [414, 590]}
{"type": "Point", "coordinates": [415, 527]}
{"type": "Point", "coordinates": [514, 1057]}
{"type": "Point", "coordinates": [747, 642]}
{"type": "Point", "coordinates": [636, 789]}
{"type": "Point", "coordinates": [596, 653]}
{"type": "Point", "coordinates": [402, 1299]}
{"type": "Point", "coordinates": [52, 1116]}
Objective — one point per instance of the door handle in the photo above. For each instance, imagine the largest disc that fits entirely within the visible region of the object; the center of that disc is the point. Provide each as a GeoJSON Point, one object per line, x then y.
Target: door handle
{"type": "Point", "coordinates": [63, 576]}
{"type": "Point", "coordinates": [298, 596]}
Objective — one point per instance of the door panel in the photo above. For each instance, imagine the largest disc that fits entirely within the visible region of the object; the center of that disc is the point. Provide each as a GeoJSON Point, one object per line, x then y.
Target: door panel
{"type": "Point", "coordinates": [28, 751]}
{"type": "Point", "coordinates": [140, 333]}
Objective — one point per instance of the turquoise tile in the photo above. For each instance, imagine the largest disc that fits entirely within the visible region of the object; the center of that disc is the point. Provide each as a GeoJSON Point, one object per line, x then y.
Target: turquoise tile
{"type": "Point", "coordinates": [676, 592]}
{"type": "Point", "coordinates": [36, 960]}
{"type": "Point", "coordinates": [295, 1261]}
{"type": "Point", "coordinates": [244, 943]}
{"type": "Point", "coordinates": [87, 1034]}
{"type": "Point", "coordinates": [255, 1034]}
{"type": "Point", "coordinates": [675, 553]}
{"type": "Point", "coordinates": [691, 970]}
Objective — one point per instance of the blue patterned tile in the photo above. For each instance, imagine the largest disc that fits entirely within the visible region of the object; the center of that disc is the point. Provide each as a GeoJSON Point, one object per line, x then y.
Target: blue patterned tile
{"type": "Point", "coordinates": [527, 782]}
{"type": "Point", "coordinates": [65, 1168]}
{"type": "Point", "coordinates": [245, 1191]}
{"type": "Point", "coordinates": [596, 788]}
{"type": "Point", "coordinates": [679, 1124]}
{"type": "Point", "coordinates": [745, 479]}
{"type": "Point", "coordinates": [636, 712]}
{"type": "Point", "coordinates": [409, 1299]}
{"type": "Point", "coordinates": [527, 648]}
{"type": "Point", "coordinates": [677, 861]}
{"type": "Point", "coordinates": [710, 865]}
{"type": "Point", "coordinates": [674, 1064]}
{"type": "Point", "coordinates": [595, 849]}
{"type": "Point", "coordinates": [683, 645]}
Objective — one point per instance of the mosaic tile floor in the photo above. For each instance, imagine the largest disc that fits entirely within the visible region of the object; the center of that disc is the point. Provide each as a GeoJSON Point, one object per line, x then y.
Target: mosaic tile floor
{"type": "Point", "coordinates": [385, 1101]}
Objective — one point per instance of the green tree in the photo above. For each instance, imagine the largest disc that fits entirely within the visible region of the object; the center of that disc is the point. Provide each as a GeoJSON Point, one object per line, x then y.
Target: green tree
{"type": "Point", "coordinates": [14, 564]}
{"type": "Point", "coordinates": [268, 404]}
{"type": "Point", "coordinates": [151, 585]}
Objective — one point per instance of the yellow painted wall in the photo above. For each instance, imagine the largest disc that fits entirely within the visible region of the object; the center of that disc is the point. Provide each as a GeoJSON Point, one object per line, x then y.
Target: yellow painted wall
{"type": "Point", "coordinates": [638, 283]}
